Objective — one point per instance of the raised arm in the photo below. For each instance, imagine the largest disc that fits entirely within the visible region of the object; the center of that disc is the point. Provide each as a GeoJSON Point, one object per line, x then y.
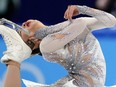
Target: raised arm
{"type": "Point", "coordinates": [40, 34]}
{"type": "Point", "coordinates": [99, 19]}
{"type": "Point", "coordinates": [58, 40]}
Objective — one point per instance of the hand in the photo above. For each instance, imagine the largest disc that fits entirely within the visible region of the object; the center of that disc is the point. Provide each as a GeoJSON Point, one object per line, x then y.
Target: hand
{"type": "Point", "coordinates": [71, 11]}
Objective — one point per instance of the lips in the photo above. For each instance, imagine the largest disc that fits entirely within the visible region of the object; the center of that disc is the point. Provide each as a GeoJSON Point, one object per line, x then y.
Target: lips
{"type": "Point", "coordinates": [27, 24]}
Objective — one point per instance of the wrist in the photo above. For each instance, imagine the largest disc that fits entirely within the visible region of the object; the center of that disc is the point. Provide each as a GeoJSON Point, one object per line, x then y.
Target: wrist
{"type": "Point", "coordinates": [82, 9]}
{"type": "Point", "coordinates": [13, 63]}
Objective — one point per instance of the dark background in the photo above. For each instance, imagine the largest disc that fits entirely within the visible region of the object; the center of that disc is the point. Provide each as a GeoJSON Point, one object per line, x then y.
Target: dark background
{"type": "Point", "coordinates": [47, 11]}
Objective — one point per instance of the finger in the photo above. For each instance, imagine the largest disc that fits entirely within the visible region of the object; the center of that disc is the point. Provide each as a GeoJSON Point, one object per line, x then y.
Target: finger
{"type": "Point", "coordinates": [66, 12]}
{"type": "Point", "coordinates": [70, 14]}
{"type": "Point", "coordinates": [66, 15]}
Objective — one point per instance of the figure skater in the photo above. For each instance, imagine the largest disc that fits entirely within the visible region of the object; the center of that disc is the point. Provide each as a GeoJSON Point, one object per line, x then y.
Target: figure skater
{"type": "Point", "coordinates": [70, 44]}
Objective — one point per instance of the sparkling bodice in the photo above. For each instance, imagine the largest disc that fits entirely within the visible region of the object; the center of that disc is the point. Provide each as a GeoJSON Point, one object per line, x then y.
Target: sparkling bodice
{"type": "Point", "coordinates": [73, 46]}
{"type": "Point", "coordinates": [79, 52]}
{"type": "Point", "coordinates": [81, 57]}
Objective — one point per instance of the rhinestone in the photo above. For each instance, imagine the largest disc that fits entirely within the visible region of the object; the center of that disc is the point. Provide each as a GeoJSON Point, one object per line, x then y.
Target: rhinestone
{"type": "Point", "coordinates": [83, 61]}
{"type": "Point", "coordinates": [72, 64]}
{"type": "Point", "coordinates": [51, 53]}
{"type": "Point", "coordinates": [70, 68]}
{"type": "Point", "coordinates": [61, 60]}
{"type": "Point", "coordinates": [70, 59]}
{"type": "Point", "coordinates": [74, 67]}
{"type": "Point", "coordinates": [73, 72]}
{"type": "Point", "coordinates": [68, 33]}
{"type": "Point", "coordinates": [89, 69]}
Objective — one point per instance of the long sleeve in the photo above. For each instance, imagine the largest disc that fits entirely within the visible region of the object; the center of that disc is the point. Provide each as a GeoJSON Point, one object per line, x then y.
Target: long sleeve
{"type": "Point", "coordinates": [99, 19]}
{"type": "Point", "coordinates": [51, 43]}
{"type": "Point", "coordinates": [40, 34]}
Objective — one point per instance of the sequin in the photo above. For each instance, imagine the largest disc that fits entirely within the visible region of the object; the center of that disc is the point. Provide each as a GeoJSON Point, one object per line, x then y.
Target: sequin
{"type": "Point", "coordinates": [75, 63]}
{"type": "Point", "coordinates": [81, 57]}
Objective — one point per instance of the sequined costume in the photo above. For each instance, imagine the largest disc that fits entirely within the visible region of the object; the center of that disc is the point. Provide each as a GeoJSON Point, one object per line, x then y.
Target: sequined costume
{"type": "Point", "coordinates": [78, 51]}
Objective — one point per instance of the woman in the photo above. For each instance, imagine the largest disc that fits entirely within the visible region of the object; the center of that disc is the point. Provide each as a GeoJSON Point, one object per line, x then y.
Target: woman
{"type": "Point", "coordinates": [70, 44]}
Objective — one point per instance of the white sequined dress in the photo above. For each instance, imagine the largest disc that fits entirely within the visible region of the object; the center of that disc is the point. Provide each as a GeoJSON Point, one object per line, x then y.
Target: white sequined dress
{"type": "Point", "coordinates": [78, 51]}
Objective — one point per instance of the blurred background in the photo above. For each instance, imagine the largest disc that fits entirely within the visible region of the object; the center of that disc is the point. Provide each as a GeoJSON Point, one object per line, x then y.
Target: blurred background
{"type": "Point", "coordinates": [51, 12]}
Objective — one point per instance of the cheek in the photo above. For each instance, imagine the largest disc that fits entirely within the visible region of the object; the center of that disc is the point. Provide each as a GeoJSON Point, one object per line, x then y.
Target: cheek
{"type": "Point", "coordinates": [31, 34]}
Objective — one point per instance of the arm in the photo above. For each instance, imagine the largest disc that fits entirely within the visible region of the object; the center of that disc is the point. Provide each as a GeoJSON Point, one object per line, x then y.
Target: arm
{"type": "Point", "coordinates": [99, 19]}
{"type": "Point", "coordinates": [51, 43]}
{"type": "Point", "coordinates": [58, 40]}
{"type": "Point", "coordinates": [12, 75]}
{"type": "Point", "coordinates": [41, 33]}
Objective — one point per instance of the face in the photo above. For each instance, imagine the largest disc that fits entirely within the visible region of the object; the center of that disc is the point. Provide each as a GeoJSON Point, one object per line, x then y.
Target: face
{"type": "Point", "coordinates": [32, 26]}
